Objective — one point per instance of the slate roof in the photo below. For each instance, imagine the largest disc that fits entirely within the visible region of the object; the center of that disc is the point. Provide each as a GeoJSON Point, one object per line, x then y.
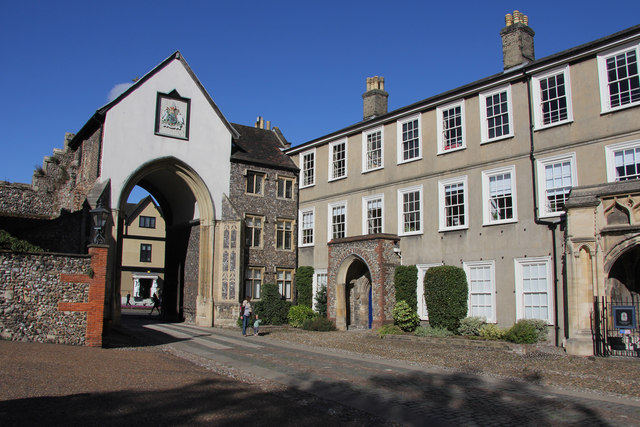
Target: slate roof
{"type": "Point", "coordinates": [260, 147]}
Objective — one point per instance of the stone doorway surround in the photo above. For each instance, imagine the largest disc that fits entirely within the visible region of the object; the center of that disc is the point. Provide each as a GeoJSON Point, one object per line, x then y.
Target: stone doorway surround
{"type": "Point", "coordinates": [603, 226]}
{"type": "Point", "coordinates": [373, 254]}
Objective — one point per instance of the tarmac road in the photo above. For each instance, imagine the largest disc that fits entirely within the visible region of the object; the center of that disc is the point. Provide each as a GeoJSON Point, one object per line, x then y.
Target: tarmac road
{"type": "Point", "coordinates": [175, 374]}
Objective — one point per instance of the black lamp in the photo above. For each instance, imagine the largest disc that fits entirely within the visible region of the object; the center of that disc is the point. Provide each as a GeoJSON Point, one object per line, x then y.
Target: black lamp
{"type": "Point", "coordinates": [99, 216]}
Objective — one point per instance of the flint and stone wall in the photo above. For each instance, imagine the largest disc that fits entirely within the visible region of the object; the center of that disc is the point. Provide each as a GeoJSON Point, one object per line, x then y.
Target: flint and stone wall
{"type": "Point", "coordinates": [272, 208]}
{"type": "Point", "coordinates": [377, 252]}
{"type": "Point", "coordinates": [30, 290]}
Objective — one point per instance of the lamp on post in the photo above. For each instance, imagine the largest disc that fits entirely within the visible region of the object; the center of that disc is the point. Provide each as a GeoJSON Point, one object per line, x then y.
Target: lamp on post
{"type": "Point", "coordinates": [99, 216]}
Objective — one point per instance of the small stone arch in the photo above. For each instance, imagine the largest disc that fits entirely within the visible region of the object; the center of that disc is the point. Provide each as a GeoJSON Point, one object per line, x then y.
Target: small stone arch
{"type": "Point", "coordinates": [617, 214]}
{"type": "Point", "coordinates": [359, 266]}
{"type": "Point", "coordinates": [354, 294]}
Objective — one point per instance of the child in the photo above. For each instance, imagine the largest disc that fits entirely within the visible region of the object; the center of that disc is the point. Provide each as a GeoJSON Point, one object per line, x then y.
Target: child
{"type": "Point", "coordinates": [256, 326]}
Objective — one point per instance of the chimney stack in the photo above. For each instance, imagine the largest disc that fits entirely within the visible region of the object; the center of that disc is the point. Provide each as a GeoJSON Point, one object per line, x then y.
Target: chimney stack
{"type": "Point", "coordinates": [375, 98]}
{"type": "Point", "coordinates": [260, 123]}
{"type": "Point", "coordinates": [517, 40]}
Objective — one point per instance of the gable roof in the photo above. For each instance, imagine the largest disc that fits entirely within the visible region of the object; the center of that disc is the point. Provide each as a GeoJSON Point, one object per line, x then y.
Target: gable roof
{"type": "Point", "coordinates": [132, 210]}
{"type": "Point", "coordinates": [98, 117]}
{"type": "Point", "coordinates": [260, 147]}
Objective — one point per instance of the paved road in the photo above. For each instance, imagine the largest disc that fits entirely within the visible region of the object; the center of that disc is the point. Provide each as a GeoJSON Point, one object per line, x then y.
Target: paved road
{"type": "Point", "coordinates": [394, 390]}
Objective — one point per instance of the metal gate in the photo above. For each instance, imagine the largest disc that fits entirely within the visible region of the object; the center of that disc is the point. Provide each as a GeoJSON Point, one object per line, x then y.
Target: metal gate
{"type": "Point", "coordinates": [614, 326]}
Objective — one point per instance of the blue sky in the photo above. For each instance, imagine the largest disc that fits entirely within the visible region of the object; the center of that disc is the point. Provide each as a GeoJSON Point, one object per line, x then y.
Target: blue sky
{"type": "Point", "coordinates": [301, 65]}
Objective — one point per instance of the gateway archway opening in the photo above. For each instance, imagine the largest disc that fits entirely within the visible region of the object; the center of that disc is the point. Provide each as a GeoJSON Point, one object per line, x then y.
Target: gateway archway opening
{"type": "Point", "coordinates": [358, 296]}
{"type": "Point", "coordinates": [179, 246]}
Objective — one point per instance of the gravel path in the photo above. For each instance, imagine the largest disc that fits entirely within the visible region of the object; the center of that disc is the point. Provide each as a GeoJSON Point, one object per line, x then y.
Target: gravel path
{"type": "Point", "coordinates": [544, 366]}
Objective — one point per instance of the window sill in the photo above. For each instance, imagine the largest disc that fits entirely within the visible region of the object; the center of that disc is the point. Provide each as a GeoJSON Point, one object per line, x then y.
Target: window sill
{"type": "Point", "coordinates": [622, 107]}
{"type": "Point", "coordinates": [415, 159]}
{"type": "Point", "coordinates": [552, 125]}
{"type": "Point", "coordinates": [489, 141]}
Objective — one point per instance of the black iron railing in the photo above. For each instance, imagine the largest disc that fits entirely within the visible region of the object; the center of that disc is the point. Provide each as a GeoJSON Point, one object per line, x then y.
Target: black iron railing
{"type": "Point", "coordinates": [614, 326]}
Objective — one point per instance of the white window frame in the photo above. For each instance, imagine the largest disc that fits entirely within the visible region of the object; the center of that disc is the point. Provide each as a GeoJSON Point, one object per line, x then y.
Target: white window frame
{"type": "Point", "coordinates": [610, 151]}
{"type": "Point", "coordinates": [441, 203]}
{"type": "Point", "coordinates": [400, 142]}
{"type": "Point", "coordinates": [441, 130]}
{"type": "Point", "coordinates": [312, 180]}
{"type": "Point", "coordinates": [330, 219]}
{"type": "Point", "coordinates": [365, 212]}
{"type": "Point", "coordinates": [365, 150]}
{"type": "Point", "coordinates": [484, 137]}
{"type": "Point", "coordinates": [422, 305]}
{"type": "Point", "coordinates": [605, 99]}
{"type": "Point", "coordinates": [537, 97]}
{"type": "Point", "coordinates": [543, 212]}
{"type": "Point", "coordinates": [519, 263]}
{"type": "Point", "coordinates": [468, 266]}
{"type": "Point", "coordinates": [315, 285]}
{"type": "Point", "coordinates": [400, 203]}
{"type": "Point", "coordinates": [487, 218]}
{"type": "Point", "coordinates": [332, 147]}
{"type": "Point", "coordinates": [301, 215]}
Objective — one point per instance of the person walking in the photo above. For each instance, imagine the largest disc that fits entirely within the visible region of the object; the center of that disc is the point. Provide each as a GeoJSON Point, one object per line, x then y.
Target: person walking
{"type": "Point", "coordinates": [256, 326]}
{"type": "Point", "coordinates": [245, 310]}
{"type": "Point", "coordinates": [156, 304]}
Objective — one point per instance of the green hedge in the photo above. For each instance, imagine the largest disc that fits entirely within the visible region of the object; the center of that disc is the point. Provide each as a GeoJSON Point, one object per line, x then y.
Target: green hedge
{"type": "Point", "coordinates": [7, 241]}
{"type": "Point", "coordinates": [273, 310]}
{"type": "Point", "coordinates": [405, 279]}
{"type": "Point", "coordinates": [304, 285]}
{"type": "Point", "coordinates": [446, 293]}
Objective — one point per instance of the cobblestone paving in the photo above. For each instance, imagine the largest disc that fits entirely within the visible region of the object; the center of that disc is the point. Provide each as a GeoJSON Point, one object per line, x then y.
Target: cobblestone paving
{"type": "Point", "coordinates": [396, 390]}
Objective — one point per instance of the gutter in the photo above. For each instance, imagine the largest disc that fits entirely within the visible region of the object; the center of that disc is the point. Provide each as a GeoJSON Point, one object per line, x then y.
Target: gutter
{"type": "Point", "coordinates": [551, 224]}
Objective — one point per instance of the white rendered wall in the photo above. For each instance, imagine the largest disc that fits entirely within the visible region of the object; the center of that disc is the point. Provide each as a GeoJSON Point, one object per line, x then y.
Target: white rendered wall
{"type": "Point", "coordinates": [129, 140]}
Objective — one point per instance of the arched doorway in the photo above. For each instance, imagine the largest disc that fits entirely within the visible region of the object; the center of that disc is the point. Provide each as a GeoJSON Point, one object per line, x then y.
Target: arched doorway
{"type": "Point", "coordinates": [188, 212]}
{"type": "Point", "coordinates": [623, 280]}
{"type": "Point", "coordinates": [354, 302]}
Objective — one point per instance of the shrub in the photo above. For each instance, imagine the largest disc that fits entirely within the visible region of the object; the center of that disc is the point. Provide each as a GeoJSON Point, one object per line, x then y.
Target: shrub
{"type": "Point", "coordinates": [298, 314]}
{"type": "Point", "coordinates": [273, 310]}
{"type": "Point", "coordinates": [389, 329]}
{"type": "Point", "coordinates": [320, 324]}
{"type": "Point", "coordinates": [541, 329]}
{"type": "Point", "coordinates": [446, 292]}
{"type": "Point", "coordinates": [492, 332]}
{"type": "Point", "coordinates": [7, 241]}
{"type": "Point", "coordinates": [405, 279]}
{"type": "Point", "coordinates": [428, 331]}
{"type": "Point", "coordinates": [470, 326]}
{"type": "Point", "coordinates": [522, 332]}
{"type": "Point", "coordinates": [304, 285]}
{"type": "Point", "coordinates": [321, 301]}
{"type": "Point", "coordinates": [403, 316]}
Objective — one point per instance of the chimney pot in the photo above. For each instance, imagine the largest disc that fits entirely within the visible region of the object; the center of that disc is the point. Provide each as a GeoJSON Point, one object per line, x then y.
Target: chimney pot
{"type": "Point", "coordinates": [517, 40]}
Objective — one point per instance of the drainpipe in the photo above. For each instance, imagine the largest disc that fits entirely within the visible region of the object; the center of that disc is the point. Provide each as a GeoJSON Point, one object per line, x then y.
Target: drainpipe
{"type": "Point", "coordinates": [551, 224]}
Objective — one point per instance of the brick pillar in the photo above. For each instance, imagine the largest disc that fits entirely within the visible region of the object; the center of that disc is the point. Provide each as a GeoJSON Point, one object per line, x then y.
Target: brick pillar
{"type": "Point", "coordinates": [97, 293]}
